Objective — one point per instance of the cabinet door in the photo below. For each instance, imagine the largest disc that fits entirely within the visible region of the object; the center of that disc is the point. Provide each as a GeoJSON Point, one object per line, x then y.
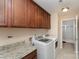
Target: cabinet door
{"type": "Point", "coordinates": [46, 20]}
{"type": "Point", "coordinates": [19, 13]}
{"type": "Point", "coordinates": [41, 18]}
{"type": "Point", "coordinates": [32, 55]}
{"type": "Point", "coordinates": [3, 11]}
{"type": "Point", "coordinates": [36, 16]}
{"type": "Point", "coordinates": [35, 57]}
{"type": "Point", "coordinates": [31, 14]}
{"type": "Point", "coordinates": [26, 13]}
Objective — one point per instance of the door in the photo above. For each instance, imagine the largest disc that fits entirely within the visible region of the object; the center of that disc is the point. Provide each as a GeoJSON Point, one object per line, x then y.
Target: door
{"type": "Point", "coordinates": [68, 28]}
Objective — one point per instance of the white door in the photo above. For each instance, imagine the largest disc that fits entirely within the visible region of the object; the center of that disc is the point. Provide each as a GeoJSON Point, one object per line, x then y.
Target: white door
{"type": "Point", "coordinates": [68, 31]}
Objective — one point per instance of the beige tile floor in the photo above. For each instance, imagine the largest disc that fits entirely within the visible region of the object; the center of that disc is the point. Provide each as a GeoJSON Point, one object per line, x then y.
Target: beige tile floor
{"type": "Point", "coordinates": [67, 52]}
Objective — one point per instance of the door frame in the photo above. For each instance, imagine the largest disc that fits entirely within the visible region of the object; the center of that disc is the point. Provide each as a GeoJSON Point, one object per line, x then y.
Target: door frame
{"type": "Point", "coordinates": [61, 35]}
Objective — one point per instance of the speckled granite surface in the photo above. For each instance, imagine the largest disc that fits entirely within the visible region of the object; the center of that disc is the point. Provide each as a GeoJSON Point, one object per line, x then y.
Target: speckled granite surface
{"type": "Point", "coordinates": [16, 50]}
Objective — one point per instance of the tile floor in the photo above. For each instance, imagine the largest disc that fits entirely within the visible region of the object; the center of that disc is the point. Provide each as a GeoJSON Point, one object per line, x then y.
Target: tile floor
{"type": "Point", "coordinates": [68, 52]}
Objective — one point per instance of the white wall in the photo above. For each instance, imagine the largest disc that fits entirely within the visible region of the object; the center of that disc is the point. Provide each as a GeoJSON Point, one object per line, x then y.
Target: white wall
{"type": "Point", "coordinates": [54, 25]}
{"type": "Point", "coordinates": [21, 32]}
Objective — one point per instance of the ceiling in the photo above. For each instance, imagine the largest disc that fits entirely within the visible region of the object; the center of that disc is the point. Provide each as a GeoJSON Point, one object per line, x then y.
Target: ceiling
{"type": "Point", "coordinates": [52, 6]}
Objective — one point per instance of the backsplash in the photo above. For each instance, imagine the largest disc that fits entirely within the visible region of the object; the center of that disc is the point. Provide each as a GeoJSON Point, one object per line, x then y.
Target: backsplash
{"type": "Point", "coordinates": [20, 32]}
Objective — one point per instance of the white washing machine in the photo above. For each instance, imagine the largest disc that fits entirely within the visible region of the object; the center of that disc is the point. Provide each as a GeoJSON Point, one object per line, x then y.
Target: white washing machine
{"type": "Point", "coordinates": [45, 48]}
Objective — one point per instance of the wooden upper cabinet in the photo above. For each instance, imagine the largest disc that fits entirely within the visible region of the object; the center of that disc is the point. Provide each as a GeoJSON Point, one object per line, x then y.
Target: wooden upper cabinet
{"type": "Point", "coordinates": [18, 13]}
{"type": "Point", "coordinates": [37, 17]}
{"type": "Point", "coordinates": [23, 13]}
{"type": "Point", "coordinates": [42, 18]}
{"type": "Point", "coordinates": [3, 12]}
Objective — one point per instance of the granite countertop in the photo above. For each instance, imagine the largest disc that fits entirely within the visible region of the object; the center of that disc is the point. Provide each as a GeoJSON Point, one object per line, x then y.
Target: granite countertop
{"type": "Point", "coordinates": [15, 49]}
{"type": "Point", "coordinates": [19, 53]}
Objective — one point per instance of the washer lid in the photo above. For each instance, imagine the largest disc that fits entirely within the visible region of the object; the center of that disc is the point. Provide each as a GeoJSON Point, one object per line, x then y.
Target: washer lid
{"type": "Point", "coordinates": [45, 40]}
